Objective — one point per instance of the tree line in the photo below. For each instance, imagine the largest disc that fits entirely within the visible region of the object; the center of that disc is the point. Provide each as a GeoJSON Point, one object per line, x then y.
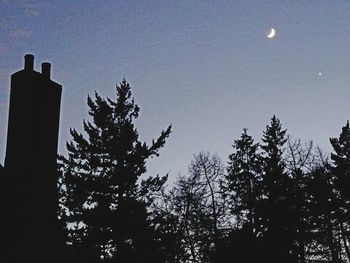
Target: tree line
{"type": "Point", "coordinates": [274, 200]}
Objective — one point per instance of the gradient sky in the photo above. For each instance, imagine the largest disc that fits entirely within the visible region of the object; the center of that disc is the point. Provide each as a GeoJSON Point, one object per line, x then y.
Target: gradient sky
{"type": "Point", "coordinates": [204, 66]}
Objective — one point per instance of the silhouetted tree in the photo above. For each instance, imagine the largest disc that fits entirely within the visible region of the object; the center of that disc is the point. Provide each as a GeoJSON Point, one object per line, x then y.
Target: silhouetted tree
{"type": "Point", "coordinates": [209, 172]}
{"type": "Point", "coordinates": [195, 200]}
{"type": "Point", "coordinates": [105, 203]}
{"type": "Point", "coordinates": [242, 190]}
{"type": "Point", "coordinates": [243, 183]}
{"type": "Point", "coordinates": [341, 172]}
{"type": "Point", "coordinates": [276, 206]}
{"type": "Point", "coordinates": [300, 161]}
{"type": "Point", "coordinates": [325, 244]}
{"type": "Point", "coordinates": [169, 216]}
{"type": "Point", "coordinates": [188, 198]}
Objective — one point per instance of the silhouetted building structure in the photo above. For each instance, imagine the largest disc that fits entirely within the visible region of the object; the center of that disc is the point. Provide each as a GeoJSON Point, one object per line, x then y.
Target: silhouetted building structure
{"type": "Point", "coordinates": [30, 230]}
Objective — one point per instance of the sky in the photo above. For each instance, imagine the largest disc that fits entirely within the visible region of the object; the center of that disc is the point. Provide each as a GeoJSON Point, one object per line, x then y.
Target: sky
{"type": "Point", "coordinates": [206, 67]}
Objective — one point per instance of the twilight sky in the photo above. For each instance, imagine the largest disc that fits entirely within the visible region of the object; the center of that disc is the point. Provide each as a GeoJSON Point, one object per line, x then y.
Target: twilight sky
{"type": "Point", "coordinates": [204, 66]}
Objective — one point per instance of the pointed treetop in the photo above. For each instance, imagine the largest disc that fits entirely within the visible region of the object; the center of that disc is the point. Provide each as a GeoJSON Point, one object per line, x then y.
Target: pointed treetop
{"type": "Point", "coordinates": [341, 145]}
{"type": "Point", "coordinates": [274, 134]}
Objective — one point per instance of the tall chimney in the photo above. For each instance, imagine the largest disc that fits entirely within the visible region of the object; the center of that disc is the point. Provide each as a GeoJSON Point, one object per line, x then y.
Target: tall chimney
{"type": "Point", "coordinates": [45, 70]}
{"type": "Point", "coordinates": [29, 62]}
{"type": "Point", "coordinates": [28, 191]}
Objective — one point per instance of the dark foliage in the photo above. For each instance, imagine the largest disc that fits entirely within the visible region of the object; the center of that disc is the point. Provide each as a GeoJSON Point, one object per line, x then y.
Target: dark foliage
{"type": "Point", "coordinates": [279, 200]}
{"type": "Point", "coordinates": [243, 183]}
{"type": "Point", "coordinates": [104, 203]}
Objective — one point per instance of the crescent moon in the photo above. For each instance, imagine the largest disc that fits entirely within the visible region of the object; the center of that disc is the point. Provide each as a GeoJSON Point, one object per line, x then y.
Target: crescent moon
{"type": "Point", "coordinates": [272, 33]}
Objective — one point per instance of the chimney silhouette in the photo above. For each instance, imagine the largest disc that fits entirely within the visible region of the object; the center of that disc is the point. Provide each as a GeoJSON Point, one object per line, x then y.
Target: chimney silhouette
{"type": "Point", "coordinates": [29, 62]}
{"type": "Point", "coordinates": [31, 231]}
{"type": "Point", "coordinates": [33, 123]}
{"type": "Point", "coordinates": [45, 70]}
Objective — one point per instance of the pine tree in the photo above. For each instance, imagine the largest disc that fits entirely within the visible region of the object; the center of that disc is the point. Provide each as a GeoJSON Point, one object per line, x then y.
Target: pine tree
{"type": "Point", "coordinates": [243, 182]}
{"type": "Point", "coordinates": [275, 208]}
{"type": "Point", "coordinates": [104, 200]}
{"type": "Point", "coordinates": [323, 216]}
{"type": "Point", "coordinates": [341, 162]}
{"type": "Point", "coordinates": [341, 177]}
{"type": "Point", "coordinates": [242, 189]}
{"type": "Point", "coordinates": [300, 161]}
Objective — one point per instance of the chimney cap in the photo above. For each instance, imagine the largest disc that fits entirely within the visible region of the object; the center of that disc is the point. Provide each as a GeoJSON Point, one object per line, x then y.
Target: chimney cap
{"type": "Point", "coordinates": [45, 69]}
{"type": "Point", "coordinates": [29, 56]}
{"type": "Point", "coordinates": [29, 62]}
